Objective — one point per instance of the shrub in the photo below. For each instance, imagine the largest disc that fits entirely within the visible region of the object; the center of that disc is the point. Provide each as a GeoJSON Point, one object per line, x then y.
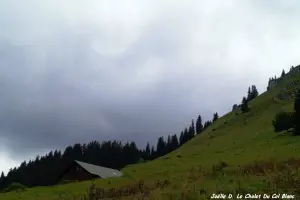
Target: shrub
{"type": "Point", "coordinates": [219, 166]}
{"type": "Point", "coordinates": [142, 160]}
{"type": "Point", "coordinates": [62, 182]}
{"type": "Point", "coordinates": [16, 187]}
{"type": "Point", "coordinates": [283, 121]}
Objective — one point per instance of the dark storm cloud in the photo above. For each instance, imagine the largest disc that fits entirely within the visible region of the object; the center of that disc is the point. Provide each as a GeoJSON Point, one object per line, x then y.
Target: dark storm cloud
{"type": "Point", "coordinates": [82, 95]}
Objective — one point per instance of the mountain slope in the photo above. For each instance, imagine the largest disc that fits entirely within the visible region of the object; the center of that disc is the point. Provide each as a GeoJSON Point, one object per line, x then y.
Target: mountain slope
{"type": "Point", "coordinates": [213, 161]}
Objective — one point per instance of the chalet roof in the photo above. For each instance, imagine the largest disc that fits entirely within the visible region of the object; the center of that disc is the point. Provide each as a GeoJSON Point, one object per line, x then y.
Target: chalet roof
{"type": "Point", "coordinates": [103, 172]}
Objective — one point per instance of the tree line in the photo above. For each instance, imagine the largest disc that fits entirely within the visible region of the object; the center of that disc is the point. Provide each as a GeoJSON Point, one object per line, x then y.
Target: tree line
{"type": "Point", "coordinates": [46, 170]}
{"type": "Point", "coordinates": [274, 80]}
{"type": "Point", "coordinates": [251, 94]}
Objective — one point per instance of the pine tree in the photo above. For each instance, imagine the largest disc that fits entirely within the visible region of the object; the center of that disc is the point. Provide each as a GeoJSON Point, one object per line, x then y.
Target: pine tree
{"type": "Point", "coordinates": [134, 153]}
{"type": "Point", "coordinates": [185, 135]}
{"type": "Point", "coordinates": [234, 107]}
{"type": "Point", "coordinates": [297, 114]}
{"type": "Point", "coordinates": [175, 143]}
{"type": "Point", "coordinates": [2, 178]}
{"type": "Point", "coordinates": [283, 73]}
{"type": "Point", "coordinates": [254, 92]}
{"type": "Point", "coordinates": [269, 83]}
{"type": "Point", "coordinates": [215, 117]}
{"type": "Point", "coordinates": [153, 153]}
{"type": "Point", "coordinates": [244, 106]}
{"type": "Point", "coordinates": [191, 132]}
{"type": "Point", "coordinates": [161, 147]}
{"type": "Point", "coordinates": [199, 126]}
{"type": "Point", "coordinates": [147, 151]}
{"type": "Point", "coordinates": [249, 94]}
{"type": "Point", "coordinates": [169, 144]}
{"type": "Point", "coordinates": [181, 138]}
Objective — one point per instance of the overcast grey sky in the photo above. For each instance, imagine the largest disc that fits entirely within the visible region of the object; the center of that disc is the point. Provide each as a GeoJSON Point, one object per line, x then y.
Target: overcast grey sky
{"type": "Point", "coordinates": [74, 71]}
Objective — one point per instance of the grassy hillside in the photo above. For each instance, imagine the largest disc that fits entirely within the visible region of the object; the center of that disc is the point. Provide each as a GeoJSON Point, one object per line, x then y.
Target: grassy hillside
{"type": "Point", "coordinates": [240, 153]}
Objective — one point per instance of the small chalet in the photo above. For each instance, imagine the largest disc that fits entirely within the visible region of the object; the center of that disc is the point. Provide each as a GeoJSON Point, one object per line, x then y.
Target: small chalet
{"type": "Point", "coordinates": [79, 171]}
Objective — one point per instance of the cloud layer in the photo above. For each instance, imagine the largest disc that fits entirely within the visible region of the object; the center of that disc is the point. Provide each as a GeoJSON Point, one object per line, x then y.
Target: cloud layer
{"type": "Point", "coordinates": [75, 71]}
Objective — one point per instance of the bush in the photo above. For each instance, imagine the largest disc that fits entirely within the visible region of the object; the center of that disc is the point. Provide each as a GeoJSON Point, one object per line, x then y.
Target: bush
{"type": "Point", "coordinates": [62, 182]}
{"type": "Point", "coordinates": [142, 160]}
{"type": "Point", "coordinates": [219, 166]}
{"type": "Point", "coordinates": [16, 187]}
{"type": "Point", "coordinates": [283, 121]}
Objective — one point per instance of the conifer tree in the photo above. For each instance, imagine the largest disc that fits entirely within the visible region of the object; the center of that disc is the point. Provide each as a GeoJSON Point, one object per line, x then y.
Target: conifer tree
{"type": "Point", "coordinates": [199, 125]}
{"type": "Point", "coordinates": [215, 117]}
{"type": "Point", "coordinates": [244, 106]}
{"type": "Point", "coordinates": [249, 95]}
{"type": "Point", "coordinates": [181, 138]}
{"type": "Point", "coordinates": [185, 135]}
{"type": "Point", "coordinates": [147, 151]}
{"type": "Point", "coordinates": [234, 107]}
{"type": "Point", "coordinates": [254, 92]}
{"type": "Point", "coordinates": [191, 131]}
{"type": "Point", "coordinates": [169, 144]}
{"type": "Point", "coordinates": [153, 152]}
{"type": "Point", "coordinates": [2, 177]}
{"type": "Point", "coordinates": [175, 143]}
{"type": "Point", "coordinates": [283, 73]}
{"type": "Point", "coordinates": [161, 147]}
